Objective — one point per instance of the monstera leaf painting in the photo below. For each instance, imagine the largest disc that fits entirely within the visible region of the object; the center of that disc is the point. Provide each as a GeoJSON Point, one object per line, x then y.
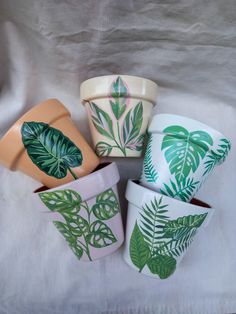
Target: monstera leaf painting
{"type": "Point", "coordinates": [157, 241]}
{"type": "Point", "coordinates": [184, 150]}
{"type": "Point", "coordinates": [84, 225]}
{"type": "Point", "coordinates": [50, 150]}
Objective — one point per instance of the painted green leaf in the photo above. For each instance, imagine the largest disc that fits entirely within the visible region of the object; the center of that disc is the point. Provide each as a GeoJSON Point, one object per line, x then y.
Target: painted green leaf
{"type": "Point", "coordinates": [102, 121]}
{"type": "Point", "coordinates": [119, 94]}
{"type": "Point", "coordinates": [103, 149]}
{"type": "Point", "coordinates": [149, 169]}
{"type": "Point", "coordinates": [183, 190]}
{"type": "Point", "coordinates": [136, 143]}
{"type": "Point", "coordinates": [132, 123]}
{"type": "Point", "coordinates": [100, 235]}
{"type": "Point", "coordinates": [106, 206]}
{"type": "Point", "coordinates": [62, 200]}
{"type": "Point", "coordinates": [49, 149]}
{"type": "Point", "coordinates": [138, 248]}
{"type": "Point", "coordinates": [153, 216]}
{"type": "Point", "coordinates": [71, 239]}
{"type": "Point", "coordinates": [214, 158]}
{"type": "Point", "coordinates": [184, 150]}
{"type": "Point", "coordinates": [162, 265]}
{"type": "Point", "coordinates": [78, 225]}
{"type": "Point", "coordinates": [182, 227]}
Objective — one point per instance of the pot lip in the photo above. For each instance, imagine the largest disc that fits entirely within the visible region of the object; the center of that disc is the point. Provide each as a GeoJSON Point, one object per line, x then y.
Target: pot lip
{"type": "Point", "coordinates": [180, 120]}
{"type": "Point", "coordinates": [17, 146]}
{"type": "Point", "coordinates": [107, 172]}
{"type": "Point", "coordinates": [102, 84]}
{"type": "Point", "coordinates": [135, 186]}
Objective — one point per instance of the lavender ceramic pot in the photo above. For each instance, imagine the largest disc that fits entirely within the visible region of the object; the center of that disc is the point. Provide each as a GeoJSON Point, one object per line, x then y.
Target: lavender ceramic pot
{"type": "Point", "coordinates": [86, 212]}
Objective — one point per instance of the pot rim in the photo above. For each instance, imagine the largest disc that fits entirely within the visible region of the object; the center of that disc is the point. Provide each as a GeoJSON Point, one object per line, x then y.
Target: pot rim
{"type": "Point", "coordinates": [99, 86]}
{"type": "Point", "coordinates": [55, 111]}
{"type": "Point", "coordinates": [134, 195]}
{"type": "Point", "coordinates": [105, 176]}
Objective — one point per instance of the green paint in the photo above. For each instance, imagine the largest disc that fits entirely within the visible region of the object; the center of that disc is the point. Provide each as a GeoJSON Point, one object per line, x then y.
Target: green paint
{"type": "Point", "coordinates": [80, 232]}
{"type": "Point", "coordinates": [50, 150]}
{"type": "Point", "coordinates": [149, 170]}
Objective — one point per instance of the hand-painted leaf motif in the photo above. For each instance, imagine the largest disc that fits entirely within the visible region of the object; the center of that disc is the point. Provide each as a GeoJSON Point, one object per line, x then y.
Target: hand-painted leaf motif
{"type": "Point", "coordinates": [103, 149]}
{"type": "Point", "coordinates": [62, 200]}
{"type": "Point", "coordinates": [71, 239]}
{"type": "Point", "coordinates": [106, 205]}
{"type": "Point", "coordinates": [50, 150]}
{"type": "Point", "coordinates": [149, 170]}
{"type": "Point", "coordinates": [136, 143]}
{"type": "Point", "coordinates": [78, 225]}
{"type": "Point", "coordinates": [100, 235]}
{"type": "Point", "coordinates": [182, 227]}
{"type": "Point", "coordinates": [132, 123]}
{"type": "Point", "coordinates": [102, 121]}
{"type": "Point", "coordinates": [138, 248]}
{"type": "Point", "coordinates": [183, 190]}
{"type": "Point", "coordinates": [119, 94]}
{"type": "Point", "coordinates": [184, 150]}
{"type": "Point", "coordinates": [162, 265]}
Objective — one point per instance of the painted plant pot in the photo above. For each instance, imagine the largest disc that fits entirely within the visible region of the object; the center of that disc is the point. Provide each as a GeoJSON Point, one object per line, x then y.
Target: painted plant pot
{"type": "Point", "coordinates": [180, 155]}
{"type": "Point", "coordinates": [160, 230]}
{"type": "Point", "coordinates": [118, 107]}
{"type": "Point", "coordinates": [45, 144]}
{"type": "Point", "coordinates": [86, 212]}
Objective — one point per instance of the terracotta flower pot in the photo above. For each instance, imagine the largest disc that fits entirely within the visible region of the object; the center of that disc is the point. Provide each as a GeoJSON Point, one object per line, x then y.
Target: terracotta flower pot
{"type": "Point", "coordinates": [180, 155]}
{"type": "Point", "coordinates": [118, 108]}
{"type": "Point", "coordinates": [87, 213]}
{"type": "Point", "coordinates": [45, 144]}
{"type": "Point", "coordinates": [160, 229]}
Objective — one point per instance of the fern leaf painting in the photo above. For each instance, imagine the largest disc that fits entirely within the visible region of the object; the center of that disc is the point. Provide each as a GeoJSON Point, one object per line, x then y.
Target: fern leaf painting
{"type": "Point", "coordinates": [157, 241]}
{"type": "Point", "coordinates": [184, 150]}
{"type": "Point", "coordinates": [50, 150]}
{"type": "Point", "coordinates": [84, 225]}
{"type": "Point", "coordinates": [149, 170]}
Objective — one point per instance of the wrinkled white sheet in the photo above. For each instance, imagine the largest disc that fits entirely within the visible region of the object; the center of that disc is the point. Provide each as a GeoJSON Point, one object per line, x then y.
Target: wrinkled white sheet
{"type": "Point", "coordinates": [47, 49]}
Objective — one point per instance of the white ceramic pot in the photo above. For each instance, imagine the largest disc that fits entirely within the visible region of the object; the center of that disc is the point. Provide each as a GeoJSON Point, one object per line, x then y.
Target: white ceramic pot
{"type": "Point", "coordinates": [180, 154]}
{"type": "Point", "coordinates": [118, 107]}
{"type": "Point", "coordinates": [86, 212]}
{"type": "Point", "coordinates": [159, 230]}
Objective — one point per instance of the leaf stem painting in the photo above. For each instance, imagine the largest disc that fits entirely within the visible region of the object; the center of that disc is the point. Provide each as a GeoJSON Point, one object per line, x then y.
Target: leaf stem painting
{"type": "Point", "coordinates": [123, 130]}
{"type": "Point", "coordinates": [157, 241]}
{"type": "Point", "coordinates": [84, 226]}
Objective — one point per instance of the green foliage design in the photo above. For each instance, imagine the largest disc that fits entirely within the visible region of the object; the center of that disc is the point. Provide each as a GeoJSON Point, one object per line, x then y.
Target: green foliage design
{"type": "Point", "coordinates": [50, 150]}
{"type": "Point", "coordinates": [218, 156]}
{"type": "Point", "coordinates": [157, 241]}
{"type": "Point", "coordinates": [83, 226]}
{"type": "Point", "coordinates": [129, 131]}
{"type": "Point", "coordinates": [184, 150]}
{"type": "Point", "coordinates": [149, 170]}
{"type": "Point", "coordinates": [182, 190]}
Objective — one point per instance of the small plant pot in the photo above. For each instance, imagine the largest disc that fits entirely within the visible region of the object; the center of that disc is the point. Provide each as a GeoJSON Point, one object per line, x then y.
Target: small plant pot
{"type": "Point", "coordinates": [118, 107]}
{"type": "Point", "coordinates": [86, 212]}
{"type": "Point", "coordinates": [45, 144]}
{"type": "Point", "coordinates": [160, 229]}
{"type": "Point", "coordinates": [180, 155]}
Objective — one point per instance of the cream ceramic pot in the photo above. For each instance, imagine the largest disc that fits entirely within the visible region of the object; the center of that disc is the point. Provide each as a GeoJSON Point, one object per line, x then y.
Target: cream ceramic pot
{"type": "Point", "coordinates": [180, 154]}
{"type": "Point", "coordinates": [86, 212]}
{"type": "Point", "coordinates": [160, 230]}
{"type": "Point", "coordinates": [45, 144]}
{"type": "Point", "coordinates": [118, 108]}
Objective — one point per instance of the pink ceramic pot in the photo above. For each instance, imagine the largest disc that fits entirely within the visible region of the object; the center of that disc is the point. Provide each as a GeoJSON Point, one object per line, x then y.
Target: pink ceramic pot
{"type": "Point", "coordinates": [87, 212]}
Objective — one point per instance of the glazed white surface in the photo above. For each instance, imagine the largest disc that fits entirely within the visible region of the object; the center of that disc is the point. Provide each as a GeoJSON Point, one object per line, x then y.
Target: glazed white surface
{"type": "Point", "coordinates": [47, 49]}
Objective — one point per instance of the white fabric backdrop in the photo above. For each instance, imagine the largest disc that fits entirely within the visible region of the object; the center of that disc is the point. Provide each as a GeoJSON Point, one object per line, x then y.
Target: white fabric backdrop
{"type": "Point", "coordinates": [47, 49]}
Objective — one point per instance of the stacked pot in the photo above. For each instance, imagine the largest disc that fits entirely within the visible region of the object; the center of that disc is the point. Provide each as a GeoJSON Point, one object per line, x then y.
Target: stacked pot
{"type": "Point", "coordinates": [80, 193]}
